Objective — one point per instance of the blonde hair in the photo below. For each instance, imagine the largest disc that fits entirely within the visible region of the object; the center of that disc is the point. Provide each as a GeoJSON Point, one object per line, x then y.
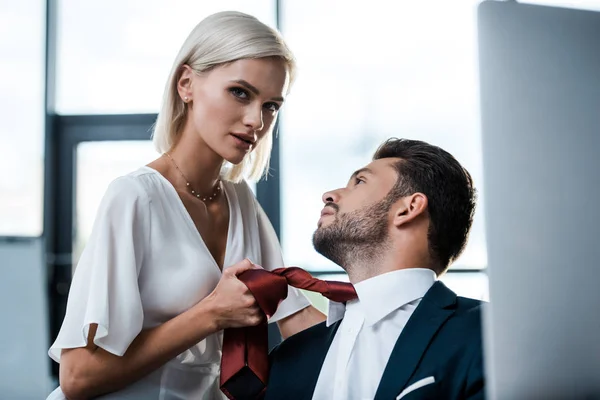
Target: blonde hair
{"type": "Point", "coordinates": [219, 39]}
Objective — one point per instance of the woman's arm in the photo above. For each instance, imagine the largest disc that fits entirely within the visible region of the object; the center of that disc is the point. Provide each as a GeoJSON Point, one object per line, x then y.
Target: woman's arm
{"type": "Point", "coordinates": [91, 371]}
{"type": "Point", "coordinates": [300, 321]}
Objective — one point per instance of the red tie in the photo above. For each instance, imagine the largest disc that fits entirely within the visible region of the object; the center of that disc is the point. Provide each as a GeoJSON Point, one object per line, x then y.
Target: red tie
{"type": "Point", "coordinates": [245, 360]}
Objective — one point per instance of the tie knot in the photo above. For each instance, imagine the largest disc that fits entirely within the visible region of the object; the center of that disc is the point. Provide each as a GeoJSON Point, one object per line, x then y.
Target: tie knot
{"type": "Point", "coordinates": [333, 290]}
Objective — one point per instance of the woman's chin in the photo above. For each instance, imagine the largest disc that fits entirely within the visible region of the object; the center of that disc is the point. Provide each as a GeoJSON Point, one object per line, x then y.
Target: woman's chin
{"type": "Point", "coordinates": [234, 155]}
{"type": "Point", "coordinates": [234, 159]}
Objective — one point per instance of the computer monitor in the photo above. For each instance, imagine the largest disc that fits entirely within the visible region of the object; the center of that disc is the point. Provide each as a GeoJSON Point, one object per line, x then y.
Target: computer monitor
{"type": "Point", "coordinates": [540, 110]}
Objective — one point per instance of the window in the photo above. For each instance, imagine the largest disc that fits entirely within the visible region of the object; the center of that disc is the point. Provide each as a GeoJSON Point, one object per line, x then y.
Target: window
{"type": "Point", "coordinates": [410, 71]}
{"type": "Point", "coordinates": [114, 56]}
{"type": "Point", "coordinates": [22, 115]}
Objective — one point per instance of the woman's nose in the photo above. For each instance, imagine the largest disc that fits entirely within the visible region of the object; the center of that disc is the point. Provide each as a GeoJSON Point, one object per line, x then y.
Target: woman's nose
{"type": "Point", "coordinates": [254, 119]}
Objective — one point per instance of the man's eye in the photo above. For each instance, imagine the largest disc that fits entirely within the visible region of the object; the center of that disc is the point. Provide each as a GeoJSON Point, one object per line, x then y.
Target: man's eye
{"type": "Point", "coordinates": [358, 180]}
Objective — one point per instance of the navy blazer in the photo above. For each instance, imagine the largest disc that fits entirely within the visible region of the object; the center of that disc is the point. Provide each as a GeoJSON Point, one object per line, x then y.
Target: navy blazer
{"type": "Point", "coordinates": [441, 339]}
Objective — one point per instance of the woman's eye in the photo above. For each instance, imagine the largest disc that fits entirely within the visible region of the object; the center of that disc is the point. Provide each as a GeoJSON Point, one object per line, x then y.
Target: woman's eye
{"type": "Point", "coordinates": [274, 107]}
{"type": "Point", "coordinates": [358, 180]}
{"type": "Point", "coordinates": [239, 93]}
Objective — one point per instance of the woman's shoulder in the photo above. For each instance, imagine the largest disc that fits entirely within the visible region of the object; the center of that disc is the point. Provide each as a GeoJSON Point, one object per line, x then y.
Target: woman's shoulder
{"type": "Point", "coordinates": [241, 186]}
{"type": "Point", "coordinates": [136, 185]}
{"type": "Point", "coordinates": [243, 191]}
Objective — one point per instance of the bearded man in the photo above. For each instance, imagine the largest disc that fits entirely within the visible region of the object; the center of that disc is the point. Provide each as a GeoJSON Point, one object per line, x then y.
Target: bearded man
{"type": "Point", "coordinates": [396, 226]}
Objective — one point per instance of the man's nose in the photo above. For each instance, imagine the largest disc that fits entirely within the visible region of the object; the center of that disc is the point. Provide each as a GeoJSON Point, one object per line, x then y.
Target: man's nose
{"type": "Point", "coordinates": [332, 196]}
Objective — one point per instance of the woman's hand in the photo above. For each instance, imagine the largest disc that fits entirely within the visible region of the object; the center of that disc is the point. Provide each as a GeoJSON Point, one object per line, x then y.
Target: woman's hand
{"type": "Point", "coordinates": [90, 371]}
{"type": "Point", "coordinates": [231, 303]}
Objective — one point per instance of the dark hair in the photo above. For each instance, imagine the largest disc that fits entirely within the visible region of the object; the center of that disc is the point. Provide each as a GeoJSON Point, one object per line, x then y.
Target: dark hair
{"type": "Point", "coordinates": [430, 170]}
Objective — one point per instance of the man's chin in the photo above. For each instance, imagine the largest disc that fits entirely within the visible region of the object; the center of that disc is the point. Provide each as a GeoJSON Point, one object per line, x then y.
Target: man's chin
{"type": "Point", "coordinates": [324, 222]}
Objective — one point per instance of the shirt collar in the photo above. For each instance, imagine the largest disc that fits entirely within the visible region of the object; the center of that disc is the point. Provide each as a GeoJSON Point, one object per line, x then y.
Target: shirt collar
{"type": "Point", "coordinates": [385, 293]}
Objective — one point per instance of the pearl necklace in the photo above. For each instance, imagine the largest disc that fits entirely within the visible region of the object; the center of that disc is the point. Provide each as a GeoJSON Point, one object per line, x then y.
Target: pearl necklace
{"type": "Point", "coordinates": [187, 183]}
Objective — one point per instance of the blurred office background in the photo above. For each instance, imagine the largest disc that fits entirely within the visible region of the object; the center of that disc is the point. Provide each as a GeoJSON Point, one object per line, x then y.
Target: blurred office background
{"type": "Point", "coordinates": [81, 81]}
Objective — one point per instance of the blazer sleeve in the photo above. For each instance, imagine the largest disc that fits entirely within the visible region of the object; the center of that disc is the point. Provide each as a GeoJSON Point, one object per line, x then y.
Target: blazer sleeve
{"type": "Point", "coordinates": [475, 384]}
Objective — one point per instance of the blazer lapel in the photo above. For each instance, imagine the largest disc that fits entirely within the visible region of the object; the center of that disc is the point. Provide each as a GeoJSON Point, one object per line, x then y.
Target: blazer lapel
{"type": "Point", "coordinates": [435, 308]}
{"type": "Point", "coordinates": [320, 350]}
{"type": "Point", "coordinates": [301, 355]}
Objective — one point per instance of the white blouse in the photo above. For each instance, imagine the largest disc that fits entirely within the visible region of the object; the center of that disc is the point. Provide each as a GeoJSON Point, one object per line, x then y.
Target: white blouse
{"type": "Point", "coordinates": [145, 263]}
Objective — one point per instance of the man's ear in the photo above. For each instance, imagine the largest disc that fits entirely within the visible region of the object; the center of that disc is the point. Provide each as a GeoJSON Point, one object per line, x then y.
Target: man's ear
{"type": "Point", "coordinates": [184, 83]}
{"type": "Point", "coordinates": [409, 207]}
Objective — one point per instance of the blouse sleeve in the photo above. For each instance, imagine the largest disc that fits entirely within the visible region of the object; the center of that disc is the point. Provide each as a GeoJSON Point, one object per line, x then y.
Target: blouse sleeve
{"type": "Point", "coordinates": [271, 259]}
{"type": "Point", "coordinates": [104, 289]}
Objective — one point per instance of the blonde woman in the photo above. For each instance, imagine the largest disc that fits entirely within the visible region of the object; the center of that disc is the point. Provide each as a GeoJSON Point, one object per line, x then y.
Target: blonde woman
{"type": "Point", "coordinates": [156, 284]}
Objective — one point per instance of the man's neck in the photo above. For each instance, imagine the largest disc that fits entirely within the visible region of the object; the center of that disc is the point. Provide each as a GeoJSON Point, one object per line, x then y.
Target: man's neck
{"type": "Point", "coordinates": [360, 270]}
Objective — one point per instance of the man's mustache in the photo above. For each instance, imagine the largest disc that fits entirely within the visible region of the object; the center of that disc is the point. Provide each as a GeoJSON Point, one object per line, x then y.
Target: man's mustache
{"type": "Point", "coordinates": [333, 205]}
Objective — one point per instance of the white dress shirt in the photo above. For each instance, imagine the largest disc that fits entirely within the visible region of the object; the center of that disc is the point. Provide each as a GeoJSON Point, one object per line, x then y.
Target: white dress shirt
{"type": "Point", "coordinates": [145, 263]}
{"type": "Point", "coordinates": [368, 332]}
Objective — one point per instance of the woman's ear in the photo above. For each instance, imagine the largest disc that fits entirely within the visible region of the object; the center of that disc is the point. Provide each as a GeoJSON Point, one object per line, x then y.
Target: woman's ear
{"type": "Point", "coordinates": [184, 83]}
{"type": "Point", "coordinates": [408, 208]}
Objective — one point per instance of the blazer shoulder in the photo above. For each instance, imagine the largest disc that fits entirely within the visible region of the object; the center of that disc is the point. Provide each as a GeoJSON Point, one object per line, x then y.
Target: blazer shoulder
{"type": "Point", "coordinates": [465, 304]}
{"type": "Point", "coordinates": [469, 314]}
{"type": "Point", "coordinates": [301, 338]}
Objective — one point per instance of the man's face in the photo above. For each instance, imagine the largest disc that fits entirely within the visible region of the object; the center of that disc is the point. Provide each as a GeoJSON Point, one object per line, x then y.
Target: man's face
{"type": "Point", "coordinates": [356, 218]}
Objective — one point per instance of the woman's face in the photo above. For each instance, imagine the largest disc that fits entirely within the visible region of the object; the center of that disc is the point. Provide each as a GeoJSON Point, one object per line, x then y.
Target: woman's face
{"type": "Point", "coordinates": [233, 106]}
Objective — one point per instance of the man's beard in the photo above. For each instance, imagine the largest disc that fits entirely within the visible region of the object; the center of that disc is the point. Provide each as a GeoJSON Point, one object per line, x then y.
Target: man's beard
{"type": "Point", "coordinates": [355, 237]}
